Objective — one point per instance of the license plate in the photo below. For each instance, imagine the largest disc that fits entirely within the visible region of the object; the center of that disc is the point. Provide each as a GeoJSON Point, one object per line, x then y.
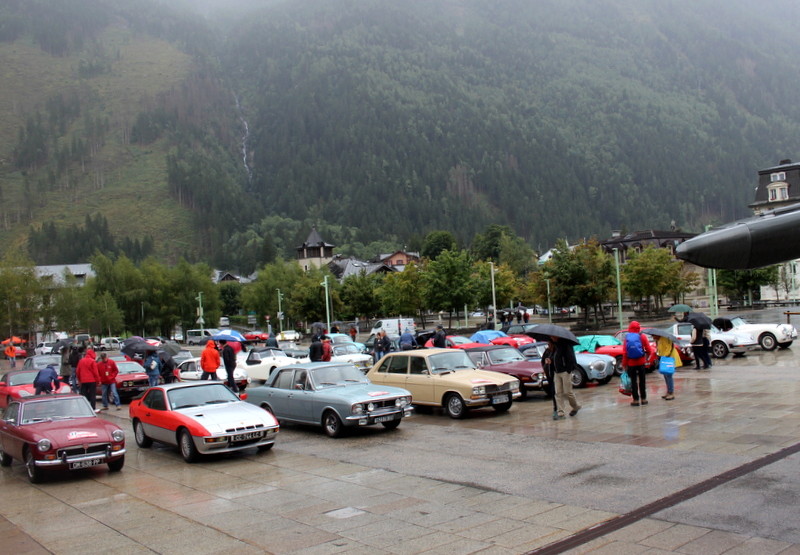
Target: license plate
{"type": "Point", "coordinates": [84, 464]}
{"type": "Point", "coordinates": [247, 436]}
{"type": "Point", "coordinates": [499, 399]}
{"type": "Point", "coordinates": [386, 418]}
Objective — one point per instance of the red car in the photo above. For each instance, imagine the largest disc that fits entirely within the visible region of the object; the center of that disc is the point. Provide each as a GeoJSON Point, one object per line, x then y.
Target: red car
{"type": "Point", "coordinates": [58, 432]}
{"type": "Point", "coordinates": [256, 336]}
{"type": "Point", "coordinates": [508, 360]}
{"type": "Point", "coordinates": [18, 384]}
{"type": "Point", "coordinates": [451, 341]}
{"type": "Point", "coordinates": [131, 380]}
{"type": "Point", "coordinates": [516, 340]}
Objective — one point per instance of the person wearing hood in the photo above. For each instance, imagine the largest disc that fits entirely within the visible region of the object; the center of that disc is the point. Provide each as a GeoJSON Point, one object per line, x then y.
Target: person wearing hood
{"type": "Point", "coordinates": [635, 353]}
{"type": "Point", "coordinates": [209, 361]}
{"type": "Point", "coordinates": [88, 376]}
{"type": "Point", "coordinates": [666, 348]}
{"type": "Point", "coordinates": [152, 367]}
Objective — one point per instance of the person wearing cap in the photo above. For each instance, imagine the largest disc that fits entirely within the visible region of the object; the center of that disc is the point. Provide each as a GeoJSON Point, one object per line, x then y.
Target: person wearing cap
{"type": "Point", "coordinates": [440, 338]}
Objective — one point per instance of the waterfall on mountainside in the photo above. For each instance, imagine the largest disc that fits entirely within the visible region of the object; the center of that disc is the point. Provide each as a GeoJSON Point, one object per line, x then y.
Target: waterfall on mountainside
{"type": "Point", "coordinates": [245, 136]}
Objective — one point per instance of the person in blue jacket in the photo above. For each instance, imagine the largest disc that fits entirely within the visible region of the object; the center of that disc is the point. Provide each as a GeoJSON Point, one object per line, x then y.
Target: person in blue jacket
{"type": "Point", "coordinates": [152, 367]}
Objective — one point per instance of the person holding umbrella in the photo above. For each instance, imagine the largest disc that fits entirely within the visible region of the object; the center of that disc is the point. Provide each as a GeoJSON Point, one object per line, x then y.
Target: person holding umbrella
{"type": "Point", "coordinates": [665, 347]}
{"type": "Point", "coordinates": [560, 357]}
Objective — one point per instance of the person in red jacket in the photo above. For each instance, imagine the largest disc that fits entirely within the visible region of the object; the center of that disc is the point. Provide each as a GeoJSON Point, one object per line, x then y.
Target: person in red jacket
{"type": "Point", "coordinates": [209, 361]}
{"type": "Point", "coordinates": [635, 353]}
{"type": "Point", "coordinates": [108, 371]}
{"type": "Point", "coordinates": [87, 376]}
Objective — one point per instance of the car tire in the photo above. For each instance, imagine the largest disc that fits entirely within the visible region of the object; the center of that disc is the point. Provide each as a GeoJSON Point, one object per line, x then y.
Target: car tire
{"type": "Point", "coordinates": [117, 464]}
{"type": "Point", "coordinates": [35, 473]}
{"type": "Point", "coordinates": [523, 392]}
{"type": "Point", "coordinates": [768, 341]}
{"type": "Point", "coordinates": [618, 367]}
{"type": "Point", "coordinates": [719, 349]}
{"type": "Point", "coordinates": [502, 407]}
{"type": "Point", "coordinates": [785, 345]}
{"type": "Point", "coordinates": [141, 438]}
{"type": "Point", "coordinates": [454, 406]}
{"type": "Point", "coordinates": [392, 424]}
{"type": "Point", "coordinates": [578, 378]}
{"type": "Point", "coordinates": [5, 458]}
{"type": "Point", "coordinates": [332, 424]}
{"type": "Point", "coordinates": [187, 446]}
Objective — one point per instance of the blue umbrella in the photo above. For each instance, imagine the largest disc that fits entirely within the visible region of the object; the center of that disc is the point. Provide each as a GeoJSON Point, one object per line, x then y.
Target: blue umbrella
{"type": "Point", "coordinates": [229, 335]}
{"type": "Point", "coordinates": [486, 336]}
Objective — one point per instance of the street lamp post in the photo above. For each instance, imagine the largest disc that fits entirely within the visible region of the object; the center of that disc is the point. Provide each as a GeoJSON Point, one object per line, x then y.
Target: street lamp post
{"type": "Point", "coordinates": [327, 308]}
{"type": "Point", "coordinates": [494, 298]}
{"type": "Point", "coordinates": [280, 311]}
{"type": "Point", "coordinates": [619, 289]}
{"type": "Point", "coordinates": [200, 319]}
{"type": "Point", "coordinates": [549, 305]}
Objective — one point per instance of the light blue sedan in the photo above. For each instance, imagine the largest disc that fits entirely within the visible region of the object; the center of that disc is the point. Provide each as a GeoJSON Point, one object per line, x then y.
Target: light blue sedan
{"type": "Point", "coordinates": [332, 395]}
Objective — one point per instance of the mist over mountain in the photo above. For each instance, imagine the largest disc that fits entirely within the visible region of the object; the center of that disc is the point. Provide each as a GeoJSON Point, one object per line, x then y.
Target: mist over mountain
{"type": "Point", "coordinates": [248, 122]}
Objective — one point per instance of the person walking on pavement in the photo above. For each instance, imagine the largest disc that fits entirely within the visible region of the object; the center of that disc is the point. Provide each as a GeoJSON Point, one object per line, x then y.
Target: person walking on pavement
{"type": "Point", "coordinates": [209, 361]}
{"type": "Point", "coordinates": [107, 369]}
{"type": "Point", "coordinates": [46, 380]}
{"type": "Point", "coordinates": [550, 388]}
{"type": "Point", "coordinates": [11, 354]}
{"type": "Point", "coordinates": [152, 367]}
{"type": "Point", "coordinates": [666, 348]}
{"type": "Point", "coordinates": [560, 356]}
{"type": "Point", "coordinates": [229, 360]}
{"type": "Point", "coordinates": [87, 376]}
{"type": "Point", "coordinates": [635, 353]}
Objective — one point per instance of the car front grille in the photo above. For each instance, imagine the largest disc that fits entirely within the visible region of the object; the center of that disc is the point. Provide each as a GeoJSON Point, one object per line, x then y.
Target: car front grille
{"type": "Point", "coordinates": [79, 450]}
{"type": "Point", "coordinates": [246, 428]}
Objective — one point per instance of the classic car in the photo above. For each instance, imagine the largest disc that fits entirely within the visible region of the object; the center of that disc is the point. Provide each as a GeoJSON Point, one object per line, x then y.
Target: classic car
{"type": "Point", "coordinates": [332, 395]}
{"type": "Point", "coordinates": [446, 378]}
{"type": "Point", "coordinates": [508, 360]}
{"type": "Point", "coordinates": [289, 335]}
{"type": "Point", "coordinates": [261, 361]}
{"type": "Point", "coordinates": [183, 354]}
{"type": "Point", "coordinates": [424, 338]}
{"type": "Point", "coordinates": [349, 352]}
{"type": "Point", "coordinates": [517, 340]}
{"type": "Point", "coordinates": [592, 367]}
{"type": "Point", "coordinates": [519, 329]}
{"type": "Point", "coordinates": [337, 338]}
{"type": "Point", "coordinates": [18, 384]}
{"type": "Point", "coordinates": [58, 432]}
{"type": "Point", "coordinates": [255, 335]}
{"type": "Point", "coordinates": [37, 362]}
{"type": "Point", "coordinates": [201, 418]}
{"type": "Point", "coordinates": [131, 380]}
{"type": "Point", "coordinates": [190, 370]}
{"type": "Point", "coordinates": [769, 336]}
{"type": "Point", "coordinates": [722, 343]}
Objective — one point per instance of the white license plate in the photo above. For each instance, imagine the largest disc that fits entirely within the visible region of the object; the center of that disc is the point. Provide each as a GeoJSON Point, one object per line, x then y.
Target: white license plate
{"type": "Point", "coordinates": [386, 418]}
{"type": "Point", "coordinates": [499, 399]}
{"type": "Point", "coordinates": [84, 464]}
{"type": "Point", "coordinates": [247, 436]}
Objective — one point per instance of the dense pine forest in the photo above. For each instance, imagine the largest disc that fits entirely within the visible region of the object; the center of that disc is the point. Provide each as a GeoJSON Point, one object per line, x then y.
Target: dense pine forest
{"type": "Point", "coordinates": [222, 131]}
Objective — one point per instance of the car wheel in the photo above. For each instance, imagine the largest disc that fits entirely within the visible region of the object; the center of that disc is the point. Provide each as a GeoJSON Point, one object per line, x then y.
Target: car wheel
{"type": "Point", "coordinates": [5, 458]}
{"type": "Point", "coordinates": [502, 407]}
{"type": "Point", "coordinates": [117, 464]}
{"type": "Point", "coordinates": [719, 349]}
{"type": "Point", "coordinates": [187, 447]}
{"type": "Point", "coordinates": [332, 424]}
{"type": "Point", "coordinates": [604, 381]}
{"type": "Point", "coordinates": [34, 472]}
{"type": "Point", "coordinates": [523, 392]}
{"type": "Point", "coordinates": [618, 367]}
{"type": "Point", "coordinates": [141, 438]}
{"type": "Point", "coordinates": [785, 345]}
{"type": "Point", "coordinates": [768, 341]}
{"type": "Point", "coordinates": [578, 378]}
{"type": "Point", "coordinates": [454, 406]}
{"type": "Point", "coordinates": [392, 424]}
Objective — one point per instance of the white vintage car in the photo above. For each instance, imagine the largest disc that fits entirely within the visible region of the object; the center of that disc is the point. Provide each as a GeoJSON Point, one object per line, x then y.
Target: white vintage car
{"type": "Point", "coordinates": [769, 336]}
{"type": "Point", "coordinates": [349, 352]}
{"type": "Point", "coordinates": [189, 370]}
{"type": "Point", "coordinates": [261, 361]}
{"type": "Point", "coordinates": [722, 342]}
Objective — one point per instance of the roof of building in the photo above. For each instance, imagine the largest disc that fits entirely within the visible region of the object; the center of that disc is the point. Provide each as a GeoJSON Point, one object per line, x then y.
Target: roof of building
{"type": "Point", "coordinates": [315, 240]}
{"type": "Point", "coordinates": [342, 267]}
{"type": "Point", "coordinates": [56, 271]}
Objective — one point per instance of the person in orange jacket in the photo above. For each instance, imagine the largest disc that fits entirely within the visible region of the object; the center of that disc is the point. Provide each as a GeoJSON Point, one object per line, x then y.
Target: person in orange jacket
{"type": "Point", "coordinates": [209, 361]}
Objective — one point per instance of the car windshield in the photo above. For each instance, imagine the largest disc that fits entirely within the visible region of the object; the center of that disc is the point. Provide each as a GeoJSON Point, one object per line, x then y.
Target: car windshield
{"type": "Point", "coordinates": [210, 394]}
{"type": "Point", "coordinates": [129, 367]}
{"type": "Point", "coordinates": [21, 378]}
{"type": "Point", "coordinates": [447, 362]}
{"type": "Point", "coordinates": [330, 376]}
{"type": "Point", "coordinates": [737, 321]}
{"type": "Point", "coordinates": [459, 340]}
{"type": "Point", "coordinates": [55, 409]}
{"type": "Point", "coordinates": [503, 356]}
{"type": "Point", "coordinates": [346, 350]}
{"type": "Point", "coordinates": [272, 353]}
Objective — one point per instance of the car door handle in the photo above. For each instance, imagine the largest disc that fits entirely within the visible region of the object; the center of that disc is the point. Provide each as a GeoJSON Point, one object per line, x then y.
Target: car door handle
{"type": "Point", "coordinates": [147, 414]}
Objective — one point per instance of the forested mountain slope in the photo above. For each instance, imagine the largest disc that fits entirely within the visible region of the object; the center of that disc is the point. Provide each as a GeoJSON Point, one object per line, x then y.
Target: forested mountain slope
{"type": "Point", "coordinates": [385, 120]}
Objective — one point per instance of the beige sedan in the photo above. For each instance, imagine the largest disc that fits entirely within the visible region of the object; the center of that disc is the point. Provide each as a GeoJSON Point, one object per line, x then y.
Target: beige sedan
{"type": "Point", "coordinates": [445, 378]}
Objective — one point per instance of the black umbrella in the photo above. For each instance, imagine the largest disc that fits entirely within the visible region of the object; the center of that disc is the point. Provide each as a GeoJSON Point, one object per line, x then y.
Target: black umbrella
{"type": "Point", "coordinates": [656, 332]}
{"type": "Point", "coordinates": [171, 348]}
{"type": "Point", "coordinates": [700, 320]}
{"type": "Point", "coordinates": [545, 331]}
{"type": "Point", "coordinates": [137, 348]}
{"type": "Point", "coordinates": [62, 343]}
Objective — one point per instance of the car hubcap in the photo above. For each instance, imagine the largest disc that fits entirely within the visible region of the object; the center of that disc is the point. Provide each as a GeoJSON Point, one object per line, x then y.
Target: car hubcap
{"type": "Point", "coordinates": [455, 405]}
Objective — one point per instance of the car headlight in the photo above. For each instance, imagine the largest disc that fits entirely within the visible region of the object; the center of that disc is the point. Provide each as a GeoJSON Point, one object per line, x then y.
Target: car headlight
{"type": "Point", "coordinates": [43, 445]}
{"type": "Point", "coordinates": [358, 408]}
{"type": "Point", "coordinates": [597, 365]}
{"type": "Point", "coordinates": [479, 390]}
{"type": "Point", "coordinates": [514, 384]}
{"type": "Point", "coordinates": [117, 435]}
{"type": "Point", "coordinates": [401, 402]}
{"type": "Point", "coordinates": [370, 407]}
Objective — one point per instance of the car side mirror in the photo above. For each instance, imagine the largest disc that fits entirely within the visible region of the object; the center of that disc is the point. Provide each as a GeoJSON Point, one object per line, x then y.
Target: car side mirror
{"type": "Point", "coordinates": [243, 396]}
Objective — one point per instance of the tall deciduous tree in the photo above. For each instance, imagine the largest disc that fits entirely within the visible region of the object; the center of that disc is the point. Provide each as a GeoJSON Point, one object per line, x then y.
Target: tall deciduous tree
{"type": "Point", "coordinates": [359, 295]}
{"type": "Point", "coordinates": [401, 293]}
{"type": "Point", "coordinates": [650, 273]}
{"type": "Point", "coordinates": [447, 282]}
{"type": "Point", "coordinates": [437, 242]}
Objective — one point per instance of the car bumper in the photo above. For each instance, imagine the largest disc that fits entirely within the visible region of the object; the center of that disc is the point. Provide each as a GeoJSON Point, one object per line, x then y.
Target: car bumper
{"type": "Point", "coordinates": [227, 443]}
{"type": "Point", "coordinates": [495, 399]}
{"type": "Point", "coordinates": [378, 417]}
{"type": "Point", "coordinates": [81, 461]}
{"type": "Point", "coordinates": [537, 383]}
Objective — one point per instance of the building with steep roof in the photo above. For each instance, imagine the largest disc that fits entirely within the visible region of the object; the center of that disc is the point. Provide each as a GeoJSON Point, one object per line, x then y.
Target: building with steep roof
{"type": "Point", "coordinates": [344, 267]}
{"type": "Point", "coordinates": [314, 252]}
{"type": "Point", "coordinates": [397, 259]}
{"type": "Point", "coordinates": [778, 186]}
